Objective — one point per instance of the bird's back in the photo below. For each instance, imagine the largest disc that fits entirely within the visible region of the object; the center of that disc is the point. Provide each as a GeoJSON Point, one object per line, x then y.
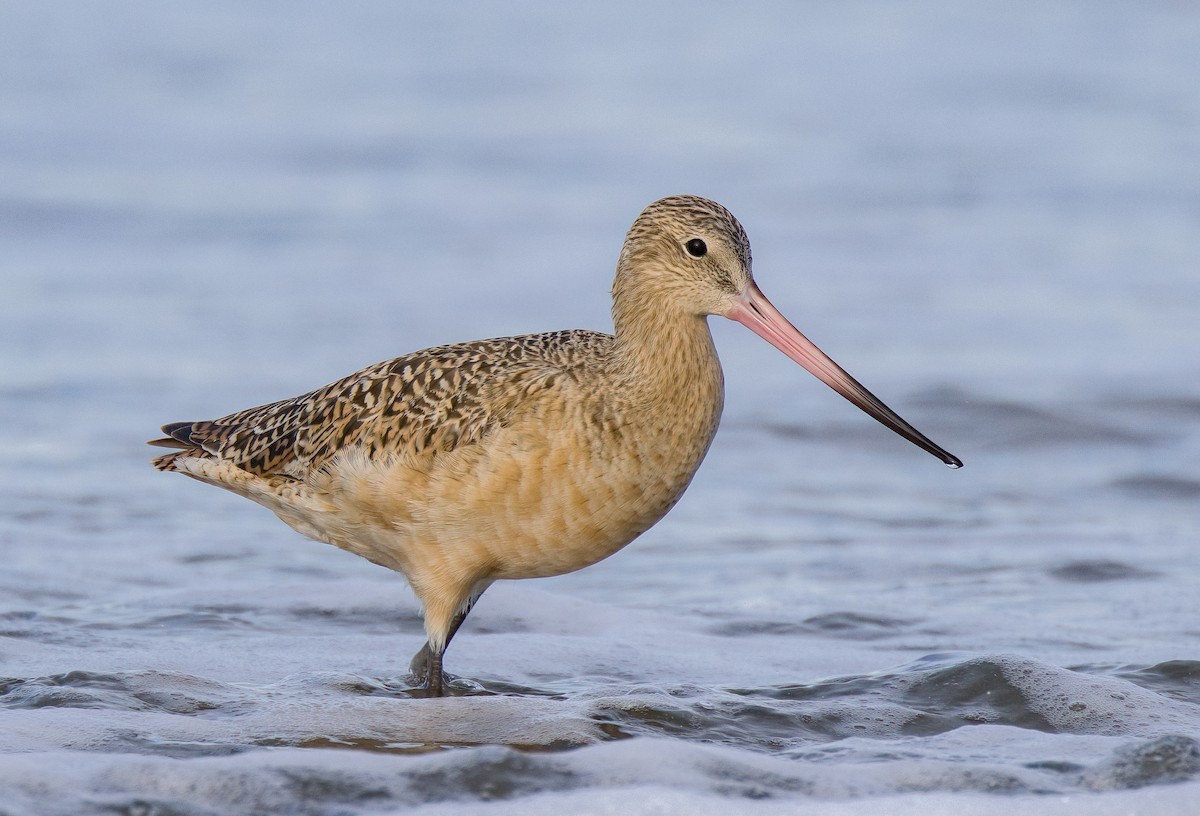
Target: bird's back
{"type": "Point", "coordinates": [416, 406]}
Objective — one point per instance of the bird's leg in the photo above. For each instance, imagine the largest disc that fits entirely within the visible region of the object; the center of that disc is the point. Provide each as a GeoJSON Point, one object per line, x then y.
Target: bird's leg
{"type": "Point", "coordinates": [426, 665]}
{"type": "Point", "coordinates": [435, 678]}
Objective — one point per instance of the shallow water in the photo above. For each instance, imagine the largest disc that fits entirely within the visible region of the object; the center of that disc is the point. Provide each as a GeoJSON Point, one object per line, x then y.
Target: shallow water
{"type": "Point", "coordinates": [987, 214]}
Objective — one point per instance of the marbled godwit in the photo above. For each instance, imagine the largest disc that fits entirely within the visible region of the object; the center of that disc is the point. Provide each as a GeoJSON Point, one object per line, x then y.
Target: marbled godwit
{"type": "Point", "coordinates": [520, 457]}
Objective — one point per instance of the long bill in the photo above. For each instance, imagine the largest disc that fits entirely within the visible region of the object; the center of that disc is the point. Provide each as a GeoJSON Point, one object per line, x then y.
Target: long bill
{"type": "Point", "coordinates": [756, 313]}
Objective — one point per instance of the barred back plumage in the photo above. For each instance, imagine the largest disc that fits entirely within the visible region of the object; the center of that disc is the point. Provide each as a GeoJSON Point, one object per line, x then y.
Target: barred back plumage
{"type": "Point", "coordinates": [423, 403]}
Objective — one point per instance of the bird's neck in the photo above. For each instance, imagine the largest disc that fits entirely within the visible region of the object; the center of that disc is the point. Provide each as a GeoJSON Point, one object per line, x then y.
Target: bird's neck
{"type": "Point", "coordinates": [666, 355]}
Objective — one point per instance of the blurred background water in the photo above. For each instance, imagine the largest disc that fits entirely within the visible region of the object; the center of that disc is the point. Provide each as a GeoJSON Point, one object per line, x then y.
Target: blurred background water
{"type": "Point", "coordinates": [989, 213]}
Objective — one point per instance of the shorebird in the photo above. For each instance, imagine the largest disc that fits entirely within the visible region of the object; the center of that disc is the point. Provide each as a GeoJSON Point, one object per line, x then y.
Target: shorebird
{"type": "Point", "coordinates": [518, 457]}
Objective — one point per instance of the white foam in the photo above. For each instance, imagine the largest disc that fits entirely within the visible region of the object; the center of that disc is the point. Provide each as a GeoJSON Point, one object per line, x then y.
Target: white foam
{"type": "Point", "coordinates": [1075, 703]}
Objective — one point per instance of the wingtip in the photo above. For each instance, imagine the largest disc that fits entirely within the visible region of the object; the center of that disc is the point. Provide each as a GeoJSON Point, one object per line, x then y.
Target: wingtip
{"type": "Point", "coordinates": [179, 430]}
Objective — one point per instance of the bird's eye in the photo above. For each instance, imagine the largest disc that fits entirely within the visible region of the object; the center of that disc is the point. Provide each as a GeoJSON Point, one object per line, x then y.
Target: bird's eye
{"type": "Point", "coordinates": [696, 248]}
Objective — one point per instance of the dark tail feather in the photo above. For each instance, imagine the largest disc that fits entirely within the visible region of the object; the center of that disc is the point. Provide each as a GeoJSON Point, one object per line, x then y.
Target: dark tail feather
{"type": "Point", "coordinates": [179, 436]}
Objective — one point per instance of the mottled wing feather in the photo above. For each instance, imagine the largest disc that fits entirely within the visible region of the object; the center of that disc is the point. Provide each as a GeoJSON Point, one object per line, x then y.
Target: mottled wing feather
{"type": "Point", "coordinates": [420, 404]}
